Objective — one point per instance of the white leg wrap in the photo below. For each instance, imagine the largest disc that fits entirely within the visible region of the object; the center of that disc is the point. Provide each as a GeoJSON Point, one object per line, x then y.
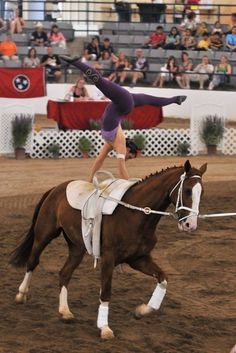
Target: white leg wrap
{"type": "Point", "coordinates": [63, 297]}
{"type": "Point", "coordinates": [103, 311]}
{"type": "Point", "coordinates": [26, 282]}
{"type": "Point", "coordinates": [158, 295]}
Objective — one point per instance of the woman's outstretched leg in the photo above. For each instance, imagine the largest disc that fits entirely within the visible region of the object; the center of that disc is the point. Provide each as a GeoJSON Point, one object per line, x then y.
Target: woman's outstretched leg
{"type": "Point", "coordinates": [111, 90]}
{"type": "Point", "coordinates": [145, 99]}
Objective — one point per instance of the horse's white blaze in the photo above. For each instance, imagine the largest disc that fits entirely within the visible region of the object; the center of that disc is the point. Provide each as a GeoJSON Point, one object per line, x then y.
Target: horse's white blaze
{"type": "Point", "coordinates": [191, 222]}
{"type": "Point", "coordinates": [63, 304]}
{"type": "Point", "coordinates": [103, 311]}
{"type": "Point", "coordinates": [158, 295]}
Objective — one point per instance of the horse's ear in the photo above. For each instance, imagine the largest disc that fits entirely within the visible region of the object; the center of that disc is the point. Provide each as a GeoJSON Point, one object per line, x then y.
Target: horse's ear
{"type": "Point", "coordinates": [187, 166]}
{"type": "Point", "coordinates": [203, 168]}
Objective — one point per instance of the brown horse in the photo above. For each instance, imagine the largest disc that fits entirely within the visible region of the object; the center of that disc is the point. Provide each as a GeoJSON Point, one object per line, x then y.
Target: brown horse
{"type": "Point", "coordinates": [128, 236]}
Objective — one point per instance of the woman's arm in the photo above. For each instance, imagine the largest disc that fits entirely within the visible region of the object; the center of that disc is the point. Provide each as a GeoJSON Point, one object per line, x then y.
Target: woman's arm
{"type": "Point", "coordinates": [99, 160]}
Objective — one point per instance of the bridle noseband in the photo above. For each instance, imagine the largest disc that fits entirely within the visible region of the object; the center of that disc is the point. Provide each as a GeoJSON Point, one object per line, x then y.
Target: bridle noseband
{"type": "Point", "coordinates": [179, 202]}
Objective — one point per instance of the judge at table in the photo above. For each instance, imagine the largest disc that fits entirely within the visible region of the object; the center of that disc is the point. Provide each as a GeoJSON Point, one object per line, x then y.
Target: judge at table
{"type": "Point", "coordinates": [78, 92]}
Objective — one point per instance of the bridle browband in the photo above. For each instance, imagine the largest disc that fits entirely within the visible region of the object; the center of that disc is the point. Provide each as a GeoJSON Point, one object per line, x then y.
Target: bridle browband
{"type": "Point", "coordinates": [179, 202]}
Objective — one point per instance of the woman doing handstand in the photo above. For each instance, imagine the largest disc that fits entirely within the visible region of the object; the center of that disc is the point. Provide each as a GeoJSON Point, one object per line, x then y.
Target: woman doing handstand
{"type": "Point", "coordinates": [122, 103]}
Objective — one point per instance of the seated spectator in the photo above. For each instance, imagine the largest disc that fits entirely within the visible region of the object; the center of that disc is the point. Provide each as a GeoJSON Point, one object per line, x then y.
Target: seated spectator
{"type": "Point", "coordinates": [121, 67]}
{"type": "Point", "coordinates": [139, 66]}
{"type": "Point", "coordinates": [217, 27]}
{"type": "Point", "coordinates": [10, 9]}
{"type": "Point", "coordinates": [39, 37]}
{"type": "Point", "coordinates": [216, 42]}
{"type": "Point", "coordinates": [188, 42]}
{"type": "Point", "coordinates": [56, 37]}
{"type": "Point", "coordinates": [230, 40]}
{"type": "Point", "coordinates": [204, 43]}
{"type": "Point", "coordinates": [52, 64]}
{"type": "Point", "coordinates": [78, 92]}
{"type": "Point", "coordinates": [31, 60]}
{"type": "Point", "coordinates": [105, 63]}
{"type": "Point", "coordinates": [172, 39]}
{"type": "Point", "coordinates": [92, 51]}
{"type": "Point", "coordinates": [8, 48]}
{"type": "Point", "coordinates": [169, 72]}
{"type": "Point", "coordinates": [186, 66]}
{"type": "Point", "coordinates": [202, 71]}
{"type": "Point", "coordinates": [202, 28]}
{"type": "Point", "coordinates": [17, 23]}
{"type": "Point", "coordinates": [190, 22]}
{"type": "Point", "coordinates": [106, 46]}
{"type": "Point", "coordinates": [1, 23]}
{"type": "Point", "coordinates": [221, 73]}
{"type": "Point", "coordinates": [156, 39]}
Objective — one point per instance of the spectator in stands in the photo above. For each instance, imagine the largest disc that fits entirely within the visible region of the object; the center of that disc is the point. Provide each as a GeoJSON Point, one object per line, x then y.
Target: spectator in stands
{"type": "Point", "coordinates": [139, 65]}
{"type": "Point", "coordinates": [168, 72]}
{"type": "Point", "coordinates": [17, 23]}
{"type": "Point", "coordinates": [216, 41]}
{"type": "Point", "coordinates": [52, 64]}
{"type": "Point", "coordinates": [178, 10]}
{"type": "Point", "coordinates": [106, 46]}
{"type": "Point", "coordinates": [104, 64]}
{"type": "Point", "coordinates": [188, 42]}
{"type": "Point", "coordinates": [8, 48]}
{"type": "Point", "coordinates": [202, 71]}
{"type": "Point", "coordinates": [56, 37]}
{"type": "Point", "coordinates": [121, 67]}
{"type": "Point", "coordinates": [31, 60]}
{"type": "Point", "coordinates": [78, 92]}
{"type": "Point", "coordinates": [39, 37]}
{"type": "Point", "coordinates": [193, 6]}
{"type": "Point", "coordinates": [217, 28]}
{"type": "Point", "coordinates": [221, 73]}
{"type": "Point", "coordinates": [11, 7]}
{"type": "Point", "coordinates": [172, 39]}
{"type": "Point", "coordinates": [202, 28]}
{"type": "Point", "coordinates": [186, 66]}
{"type": "Point", "coordinates": [190, 22]}
{"type": "Point", "coordinates": [204, 43]}
{"type": "Point", "coordinates": [92, 51]}
{"type": "Point", "coordinates": [156, 39]}
{"type": "Point", "coordinates": [230, 40]}
{"type": "Point", "coordinates": [1, 23]}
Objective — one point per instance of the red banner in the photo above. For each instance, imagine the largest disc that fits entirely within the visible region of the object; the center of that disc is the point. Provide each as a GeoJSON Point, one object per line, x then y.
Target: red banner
{"type": "Point", "coordinates": [22, 83]}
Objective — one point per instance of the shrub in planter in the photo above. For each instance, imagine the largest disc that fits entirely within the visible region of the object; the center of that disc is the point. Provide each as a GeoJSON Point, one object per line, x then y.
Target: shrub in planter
{"type": "Point", "coordinates": [84, 146]}
{"type": "Point", "coordinates": [54, 150]}
{"type": "Point", "coordinates": [212, 132]}
{"type": "Point", "coordinates": [127, 124]}
{"type": "Point", "coordinates": [21, 129]}
{"type": "Point", "coordinates": [183, 148]}
{"type": "Point", "coordinates": [139, 141]}
{"type": "Point", "coordinates": [94, 124]}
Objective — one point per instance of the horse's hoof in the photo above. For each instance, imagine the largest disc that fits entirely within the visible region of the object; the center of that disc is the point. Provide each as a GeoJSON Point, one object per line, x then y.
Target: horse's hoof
{"type": "Point", "coordinates": [107, 333]}
{"type": "Point", "coordinates": [142, 310]}
{"type": "Point", "coordinates": [67, 317]}
{"type": "Point", "coordinates": [21, 298]}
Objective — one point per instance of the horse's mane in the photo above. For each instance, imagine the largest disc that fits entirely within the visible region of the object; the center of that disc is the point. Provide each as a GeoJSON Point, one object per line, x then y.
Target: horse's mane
{"type": "Point", "coordinates": [159, 173]}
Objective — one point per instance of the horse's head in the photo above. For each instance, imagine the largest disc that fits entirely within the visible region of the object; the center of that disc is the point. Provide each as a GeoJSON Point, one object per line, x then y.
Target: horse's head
{"type": "Point", "coordinates": [186, 196]}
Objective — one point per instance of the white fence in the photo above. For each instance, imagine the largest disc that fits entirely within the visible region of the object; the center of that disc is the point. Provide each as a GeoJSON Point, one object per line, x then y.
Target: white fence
{"type": "Point", "coordinates": [159, 142]}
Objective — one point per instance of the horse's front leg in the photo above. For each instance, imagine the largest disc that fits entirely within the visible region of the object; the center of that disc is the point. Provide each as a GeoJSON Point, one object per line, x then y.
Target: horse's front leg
{"type": "Point", "coordinates": [107, 267]}
{"type": "Point", "coordinates": [148, 266]}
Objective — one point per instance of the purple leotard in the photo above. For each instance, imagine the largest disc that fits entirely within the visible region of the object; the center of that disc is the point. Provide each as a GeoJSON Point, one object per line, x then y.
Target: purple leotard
{"type": "Point", "coordinates": [122, 101]}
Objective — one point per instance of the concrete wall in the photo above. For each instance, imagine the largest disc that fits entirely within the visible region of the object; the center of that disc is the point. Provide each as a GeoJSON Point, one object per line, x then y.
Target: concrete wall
{"type": "Point", "coordinates": [195, 98]}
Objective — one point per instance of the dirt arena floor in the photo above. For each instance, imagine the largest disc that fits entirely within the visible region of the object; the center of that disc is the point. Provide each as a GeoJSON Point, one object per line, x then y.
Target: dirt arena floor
{"type": "Point", "coordinates": [198, 314]}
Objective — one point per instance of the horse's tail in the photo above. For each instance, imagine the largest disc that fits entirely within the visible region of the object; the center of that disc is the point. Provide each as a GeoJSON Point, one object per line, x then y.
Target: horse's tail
{"type": "Point", "coordinates": [21, 254]}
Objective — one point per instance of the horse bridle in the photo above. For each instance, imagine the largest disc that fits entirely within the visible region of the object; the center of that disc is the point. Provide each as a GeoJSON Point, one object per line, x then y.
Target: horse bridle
{"type": "Point", "coordinates": [179, 202]}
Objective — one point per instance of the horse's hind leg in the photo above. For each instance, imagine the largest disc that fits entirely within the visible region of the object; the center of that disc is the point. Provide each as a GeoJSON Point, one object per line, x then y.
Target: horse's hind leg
{"type": "Point", "coordinates": [76, 254]}
{"type": "Point", "coordinates": [41, 240]}
{"type": "Point", "coordinates": [148, 266]}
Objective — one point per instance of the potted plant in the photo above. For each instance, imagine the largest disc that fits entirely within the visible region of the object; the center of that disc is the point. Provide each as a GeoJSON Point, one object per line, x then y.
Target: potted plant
{"type": "Point", "coordinates": [127, 124]}
{"type": "Point", "coordinates": [183, 148]}
{"type": "Point", "coordinates": [85, 146]}
{"type": "Point", "coordinates": [212, 132]}
{"type": "Point", "coordinates": [54, 150]}
{"type": "Point", "coordinates": [21, 129]}
{"type": "Point", "coordinates": [140, 142]}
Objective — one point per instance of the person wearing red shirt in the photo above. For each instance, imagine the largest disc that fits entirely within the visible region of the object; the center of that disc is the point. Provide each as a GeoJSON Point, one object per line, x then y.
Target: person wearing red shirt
{"type": "Point", "coordinates": [156, 39]}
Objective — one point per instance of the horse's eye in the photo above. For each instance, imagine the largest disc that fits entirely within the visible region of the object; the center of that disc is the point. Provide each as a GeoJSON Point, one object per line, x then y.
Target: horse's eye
{"type": "Point", "coordinates": [189, 192]}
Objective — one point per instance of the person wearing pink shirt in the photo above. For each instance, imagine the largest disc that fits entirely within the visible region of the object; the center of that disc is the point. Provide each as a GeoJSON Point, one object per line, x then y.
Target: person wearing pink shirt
{"type": "Point", "coordinates": [56, 37]}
